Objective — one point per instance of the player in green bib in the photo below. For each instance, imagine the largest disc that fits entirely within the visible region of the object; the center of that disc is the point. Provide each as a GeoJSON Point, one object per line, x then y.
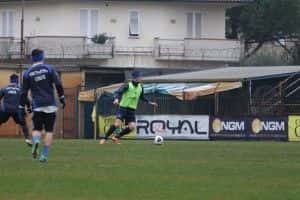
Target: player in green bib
{"type": "Point", "coordinates": [130, 94]}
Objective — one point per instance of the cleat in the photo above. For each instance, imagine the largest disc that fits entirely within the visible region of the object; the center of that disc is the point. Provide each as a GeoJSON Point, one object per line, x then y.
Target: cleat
{"type": "Point", "coordinates": [43, 159]}
{"type": "Point", "coordinates": [28, 142]}
{"type": "Point", "coordinates": [102, 141]}
{"type": "Point", "coordinates": [34, 150]}
{"type": "Point", "coordinates": [116, 140]}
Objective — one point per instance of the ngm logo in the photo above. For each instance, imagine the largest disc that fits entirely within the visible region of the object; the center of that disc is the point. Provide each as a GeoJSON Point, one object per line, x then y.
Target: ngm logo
{"type": "Point", "coordinates": [267, 125]}
{"type": "Point", "coordinates": [227, 125]}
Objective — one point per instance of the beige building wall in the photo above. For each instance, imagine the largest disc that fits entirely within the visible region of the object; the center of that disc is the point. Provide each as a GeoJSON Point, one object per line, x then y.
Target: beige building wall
{"type": "Point", "coordinates": [164, 20]}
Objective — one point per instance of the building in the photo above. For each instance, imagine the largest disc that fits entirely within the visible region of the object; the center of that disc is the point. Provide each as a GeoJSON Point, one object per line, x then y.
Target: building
{"type": "Point", "coordinates": [152, 35]}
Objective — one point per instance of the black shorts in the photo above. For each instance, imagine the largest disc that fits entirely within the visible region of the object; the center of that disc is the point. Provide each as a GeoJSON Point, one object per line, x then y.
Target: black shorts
{"type": "Point", "coordinates": [43, 120]}
{"type": "Point", "coordinates": [126, 114]}
{"type": "Point", "coordinates": [4, 116]}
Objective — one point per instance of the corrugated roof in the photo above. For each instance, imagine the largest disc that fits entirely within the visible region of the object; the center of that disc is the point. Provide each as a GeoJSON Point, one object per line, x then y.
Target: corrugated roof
{"type": "Point", "coordinates": [226, 74]}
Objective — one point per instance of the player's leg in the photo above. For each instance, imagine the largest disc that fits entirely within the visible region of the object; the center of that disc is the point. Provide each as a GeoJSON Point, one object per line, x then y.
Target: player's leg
{"type": "Point", "coordinates": [49, 127]}
{"type": "Point", "coordinates": [130, 126]}
{"type": "Point", "coordinates": [4, 116]}
{"type": "Point", "coordinates": [37, 132]}
{"type": "Point", "coordinates": [117, 124]}
{"type": "Point", "coordinates": [22, 122]}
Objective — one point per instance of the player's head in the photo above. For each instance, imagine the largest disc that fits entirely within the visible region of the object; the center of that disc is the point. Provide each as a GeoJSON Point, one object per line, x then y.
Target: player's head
{"type": "Point", "coordinates": [136, 76]}
{"type": "Point", "coordinates": [37, 55]}
{"type": "Point", "coordinates": [14, 78]}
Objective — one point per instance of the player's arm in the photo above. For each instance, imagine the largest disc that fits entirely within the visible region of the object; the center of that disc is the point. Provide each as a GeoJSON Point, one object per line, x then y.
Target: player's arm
{"type": "Point", "coordinates": [1, 93]}
{"type": "Point", "coordinates": [58, 84]}
{"type": "Point", "coordinates": [24, 91]}
{"type": "Point", "coordinates": [59, 87]}
{"type": "Point", "coordinates": [145, 99]}
{"type": "Point", "coordinates": [118, 94]}
{"type": "Point", "coordinates": [28, 105]}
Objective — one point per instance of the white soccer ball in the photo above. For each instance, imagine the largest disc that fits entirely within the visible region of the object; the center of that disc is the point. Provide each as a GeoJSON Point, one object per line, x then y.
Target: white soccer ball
{"type": "Point", "coordinates": [159, 140]}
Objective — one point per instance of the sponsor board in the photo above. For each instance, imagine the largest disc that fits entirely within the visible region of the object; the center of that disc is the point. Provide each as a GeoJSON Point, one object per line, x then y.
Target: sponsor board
{"type": "Point", "coordinates": [249, 128]}
{"type": "Point", "coordinates": [269, 128]}
{"type": "Point", "coordinates": [294, 128]}
{"type": "Point", "coordinates": [173, 126]}
{"type": "Point", "coordinates": [169, 126]}
{"type": "Point", "coordinates": [228, 127]}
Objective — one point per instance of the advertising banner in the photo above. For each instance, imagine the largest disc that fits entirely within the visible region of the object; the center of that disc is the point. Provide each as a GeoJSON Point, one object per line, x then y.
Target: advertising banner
{"type": "Point", "coordinates": [194, 127]}
{"type": "Point", "coordinates": [269, 128]}
{"type": "Point", "coordinates": [228, 127]}
{"type": "Point", "coordinates": [294, 128]}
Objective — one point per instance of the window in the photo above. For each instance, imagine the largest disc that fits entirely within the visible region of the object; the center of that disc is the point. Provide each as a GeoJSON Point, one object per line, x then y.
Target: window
{"type": "Point", "coordinates": [194, 23]}
{"type": "Point", "coordinates": [7, 23]}
{"type": "Point", "coordinates": [89, 22]}
{"type": "Point", "coordinates": [134, 26]}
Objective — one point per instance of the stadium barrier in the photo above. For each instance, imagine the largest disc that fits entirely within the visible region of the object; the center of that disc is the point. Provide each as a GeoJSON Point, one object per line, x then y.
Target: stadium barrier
{"type": "Point", "coordinates": [204, 127]}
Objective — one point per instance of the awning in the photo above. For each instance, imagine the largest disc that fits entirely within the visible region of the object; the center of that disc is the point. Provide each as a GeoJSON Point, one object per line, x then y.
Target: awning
{"type": "Point", "coordinates": [182, 91]}
{"type": "Point", "coordinates": [226, 74]}
{"type": "Point", "coordinates": [206, 89]}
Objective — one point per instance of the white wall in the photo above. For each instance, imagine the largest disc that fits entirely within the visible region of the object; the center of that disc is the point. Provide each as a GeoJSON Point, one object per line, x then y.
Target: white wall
{"type": "Point", "coordinates": [62, 18]}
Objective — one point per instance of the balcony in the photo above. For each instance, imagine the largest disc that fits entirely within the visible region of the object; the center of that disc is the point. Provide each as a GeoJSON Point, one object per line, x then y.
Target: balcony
{"type": "Point", "coordinates": [188, 49]}
{"type": "Point", "coordinates": [70, 47]}
{"type": "Point", "coordinates": [9, 48]}
{"type": "Point", "coordinates": [57, 47]}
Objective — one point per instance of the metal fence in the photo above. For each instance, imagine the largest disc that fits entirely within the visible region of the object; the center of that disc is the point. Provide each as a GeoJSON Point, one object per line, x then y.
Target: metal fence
{"type": "Point", "coordinates": [232, 103]}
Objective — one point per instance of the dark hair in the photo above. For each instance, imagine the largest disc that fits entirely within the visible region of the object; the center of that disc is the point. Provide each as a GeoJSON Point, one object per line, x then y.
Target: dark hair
{"type": "Point", "coordinates": [36, 52]}
{"type": "Point", "coordinates": [136, 74]}
{"type": "Point", "coordinates": [14, 78]}
{"type": "Point", "coordinates": [37, 55]}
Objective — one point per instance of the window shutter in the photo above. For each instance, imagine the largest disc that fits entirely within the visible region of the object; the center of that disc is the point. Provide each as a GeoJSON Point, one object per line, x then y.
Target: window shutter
{"type": "Point", "coordinates": [4, 24]}
{"type": "Point", "coordinates": [10, 26]}
{"type": "Point", "coordinates": [94, 22]}
{"type": "Point", "coordinates": [134, 23]}
{"type": "Point", "coordinates": [189, 25]}
{"type": "Point", "coordinates": [198, 24]}
{"type": "Point", "coordinates": [84, 22]}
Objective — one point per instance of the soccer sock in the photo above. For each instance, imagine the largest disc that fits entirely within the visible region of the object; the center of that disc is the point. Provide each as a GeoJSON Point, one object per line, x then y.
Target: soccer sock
{"type": "Point", "coordinates": [36, 139]}
{"type": "Point", "coordinates": [110, 131]}
{"type": "Point", "coordinates": [25, 131]}
{"type": "Point", "coordinates": [124, 132]}
{"type": "Point", "coordinates": [45, 150]}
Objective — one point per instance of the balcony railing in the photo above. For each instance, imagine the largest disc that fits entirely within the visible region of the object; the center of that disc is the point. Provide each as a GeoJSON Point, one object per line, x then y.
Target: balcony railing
{"type": "Point", "coordinates": [197, 49]}
{"type": "Point", "coordinates": [9, 48]}
{"type": "Point", "coordinates": [57, 47]}
{"type": "Point", "coordinates": [72, 47]}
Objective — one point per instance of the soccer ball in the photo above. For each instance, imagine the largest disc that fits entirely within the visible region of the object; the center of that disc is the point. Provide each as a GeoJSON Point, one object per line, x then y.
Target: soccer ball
{"type": "Point", "coordinates": [158, 140]}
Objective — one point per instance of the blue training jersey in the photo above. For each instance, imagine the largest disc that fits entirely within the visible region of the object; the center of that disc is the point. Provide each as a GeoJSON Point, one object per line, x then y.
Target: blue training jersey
{"type": "Point", "coordinates": [40, 80]}
{"type": "Point", "coordinates": [10, 96]}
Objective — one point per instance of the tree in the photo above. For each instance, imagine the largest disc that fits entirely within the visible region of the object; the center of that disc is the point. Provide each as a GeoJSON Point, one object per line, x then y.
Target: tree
{"type": "Point", "coordinates": [233, 22]}
{"type": "Point", "coordinates": [267, 21]}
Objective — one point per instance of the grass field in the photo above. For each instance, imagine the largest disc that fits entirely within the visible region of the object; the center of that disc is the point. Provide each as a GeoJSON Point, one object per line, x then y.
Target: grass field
{"type": "Point", "coordinates": [139, 170]}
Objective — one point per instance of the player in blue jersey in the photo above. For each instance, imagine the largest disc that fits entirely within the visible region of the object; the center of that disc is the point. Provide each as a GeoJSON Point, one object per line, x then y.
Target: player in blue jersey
{"type": "Point", "coordinates": [9, 99]}
{"type": "Point", "coordinates": [40, 80]}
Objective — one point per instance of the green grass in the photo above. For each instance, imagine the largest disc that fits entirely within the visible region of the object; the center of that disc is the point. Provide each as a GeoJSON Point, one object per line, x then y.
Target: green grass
{"type": "Point", "coordinates": [139, 170]}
